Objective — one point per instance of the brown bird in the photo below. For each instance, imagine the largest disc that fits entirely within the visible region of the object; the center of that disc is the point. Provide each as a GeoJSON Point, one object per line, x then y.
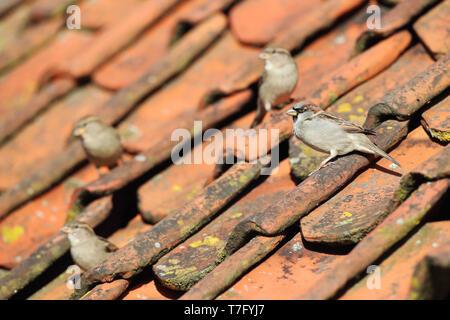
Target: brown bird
{"type": "Point", "coordinates": [100, 141]}
{"type": "Point", "coordinates": [277, 83]}
{"type": "Point", "coordinates": [327, 133]}
{"type": "Point", "coordinates": [86, 248]}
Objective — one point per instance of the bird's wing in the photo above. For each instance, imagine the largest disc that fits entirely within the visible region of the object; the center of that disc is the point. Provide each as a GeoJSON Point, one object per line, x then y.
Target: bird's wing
{"type": "Point", "coordinates": [348, 126]}
{"type": "Point", "coordinates": [110, 247]}
{"type": "Point", "coordinates": [262, 78]}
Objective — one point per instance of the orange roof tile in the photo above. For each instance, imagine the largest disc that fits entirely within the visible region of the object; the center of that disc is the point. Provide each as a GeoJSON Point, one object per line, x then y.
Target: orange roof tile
{"type": "Point", "coordinates": [206, 231]}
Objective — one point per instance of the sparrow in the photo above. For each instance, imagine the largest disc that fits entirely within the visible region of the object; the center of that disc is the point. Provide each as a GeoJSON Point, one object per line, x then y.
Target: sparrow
{"type": "Point", "coordinates": [86, 248]}
{"type": "Point", "coordinates": [327, 133]}
{"type": "Point", "coordinates": [100, 141]}
{"type": "Point", "coordinates": [278, 81]}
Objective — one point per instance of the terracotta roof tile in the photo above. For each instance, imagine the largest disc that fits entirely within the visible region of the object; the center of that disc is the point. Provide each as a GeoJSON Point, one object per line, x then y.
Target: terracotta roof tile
{"type": "Point", "coordinates": [38, 220]}
{"type": "Point", "coordinates": [131, 64]}
{"type": "Point", "coordinates": [8, 5]}
{"type": "Point", "coordinates": [295, 267]}
{"type": "Point", "coordinates": [111, 11]}
{"type": "Point", "coordinates": [188, 263]}
{"type": "Point", "coordinates": [45, 9]}
{"type": "Point", "coordinates": [399, 267]}
{"type": "Point", "coordinates": [353, 212]}
{"type": "Point", "coordinates": [433, 29]}
{"type": "Point", "coordinates": [393, 20]}
{"type": "Point", "coordinates": [39, 140]}
{"type": "Point", "coordinates": [28, 41]}
{"type": "Point", "coordinates": [21, 84]}
{"type": "Point", "coordinates": [426, 283]}
{"type": "Point", "coordinates": [258, 21]}
{"type": "Point", "coordinates": [436, 120]}
{"type": "Point", "coordinates": [117, 36]}
{"type": "Point", "coordinates": [205, 231]}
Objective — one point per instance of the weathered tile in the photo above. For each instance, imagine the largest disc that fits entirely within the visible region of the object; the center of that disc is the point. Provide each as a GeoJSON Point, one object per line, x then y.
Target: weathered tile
{"type": "Point", "coordinates": [434, 29]}
{"type": "Point", "coordinates": [113, 39]}
{"type": "Point", "coordinates": [28, 41]}
{"type": "Point", "coordinates": [353, 212]}
{"type": "Point", "coordinates": [57, 289]}
{"type": "Point", "coordinates": [41, 259]}
{"type": "Point", "coordinates": [30, 226]}
{"type": "Point", "coordinates": [213, 72]}
{"type": "Point", "coordinates": [395, 273]}
{"type": "Point", "coordinates": [146, 248]}
{"type": "Point", "coordinates": [405, 216]}
{"type": "Point", "coordinates": [291, 269]}
{"type": "Point", "coordinates": [112, 11]}
{"type": "Point", "coordinates": [391, 21]}
{"type": "Point", "coordinates": [133, 62]}
{"type": "Point", "coordinates": [7, 5]}
{"type": "Point", "coordinates": [190, 261]}
{"type": "Point", "coordinates": [39, 141]}
{"type": "Point", "coordinates": [169, 190]}
{"type": "Point", "coordinates": [436, 120]}
{"type": "Point", "coordinates": [258, 21]}
{"type": "Point", "coordinates": [19, 86]}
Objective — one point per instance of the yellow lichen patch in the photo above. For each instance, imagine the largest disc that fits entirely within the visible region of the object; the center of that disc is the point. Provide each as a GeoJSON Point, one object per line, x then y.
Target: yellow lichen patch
{"type": "Point", "coordinates": [11, 235]}
{"type": "Point", "coordinates": [180, 222]}
{"type": "Point", "coordinates": [347, 214]}
{"type": "Point", "coordinates": [207, 241]}
{"type": "Point", "coordinates": [360, 110]}
{"type": "Point", "coordinates": [184, 271]}
{"type": "Point", "coordinates": [358, 99]}
{"type": "Point", "coordinates": [176, 188]}
{"type": "Point", "coordinates": [344, 107]}
{"type": "Point", "coordinates": [85, 294]}
{"type": "Point", "coordinates": [389, 128]}
{"type": "Point", "coordinates": [186, 229]}
{"type": "Point", "coordinates": [243, 179]}
{"type": "Point", "coordinates": [333, 97]}
{"type": "Point", "coordinates": [191, 194]}
{"type": "Point", "coordinates": [174, 261]}
{"type": "Point", "coordinates": [441, 135]}
{"type": "Point", "coordinates": [236, 215]}
{"type": "Point", "coordinates": [308, 151]}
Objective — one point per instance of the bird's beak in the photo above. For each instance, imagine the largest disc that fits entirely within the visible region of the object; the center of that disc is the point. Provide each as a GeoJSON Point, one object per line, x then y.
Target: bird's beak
{"type": "Point", "coordinates": [66, 229]}
{"type": "Point", "coordinates": [291, 112]}
{"type": "Point", "coordinates": [264, 55]}
{"type": "Point", "coordinates": [78, 132]}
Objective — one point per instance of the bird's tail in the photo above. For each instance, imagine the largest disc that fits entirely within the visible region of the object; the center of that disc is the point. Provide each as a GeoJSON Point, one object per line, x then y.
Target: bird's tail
{"type": "Point", "coordinates": [374, 149]}
{"type": "Point", "coordinates": [260, 113]}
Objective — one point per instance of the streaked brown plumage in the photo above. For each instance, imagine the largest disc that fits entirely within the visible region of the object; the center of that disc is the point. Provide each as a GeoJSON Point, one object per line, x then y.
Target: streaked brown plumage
{"type": "Point", "coordinates": [100, 141]}
{"type": "Point", "coordinates": [87, 249]}
{"type": "Point", "coordinates": [278, 81]}
{"type": "Point", "coordinates": [327, 133]}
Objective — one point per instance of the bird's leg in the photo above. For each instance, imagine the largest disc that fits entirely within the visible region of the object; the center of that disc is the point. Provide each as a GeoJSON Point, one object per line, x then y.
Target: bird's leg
{"type": "Point", "coordinates": [105, 170]}
{"type": "Point", "coordinates": [324, 163]}
{"type": "Point", "coordinates": [98, 171]}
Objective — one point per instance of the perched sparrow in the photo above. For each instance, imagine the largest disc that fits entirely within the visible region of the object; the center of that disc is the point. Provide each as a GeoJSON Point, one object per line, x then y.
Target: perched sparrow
{"type": "Point", "coordinates": [87, 249]}
{"type": "Point", "coordinates": [278, 81]}
{"type": "Point", "coordinates": [327, 133]}
{"type": "Point", "coordinates": [100, 141]}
